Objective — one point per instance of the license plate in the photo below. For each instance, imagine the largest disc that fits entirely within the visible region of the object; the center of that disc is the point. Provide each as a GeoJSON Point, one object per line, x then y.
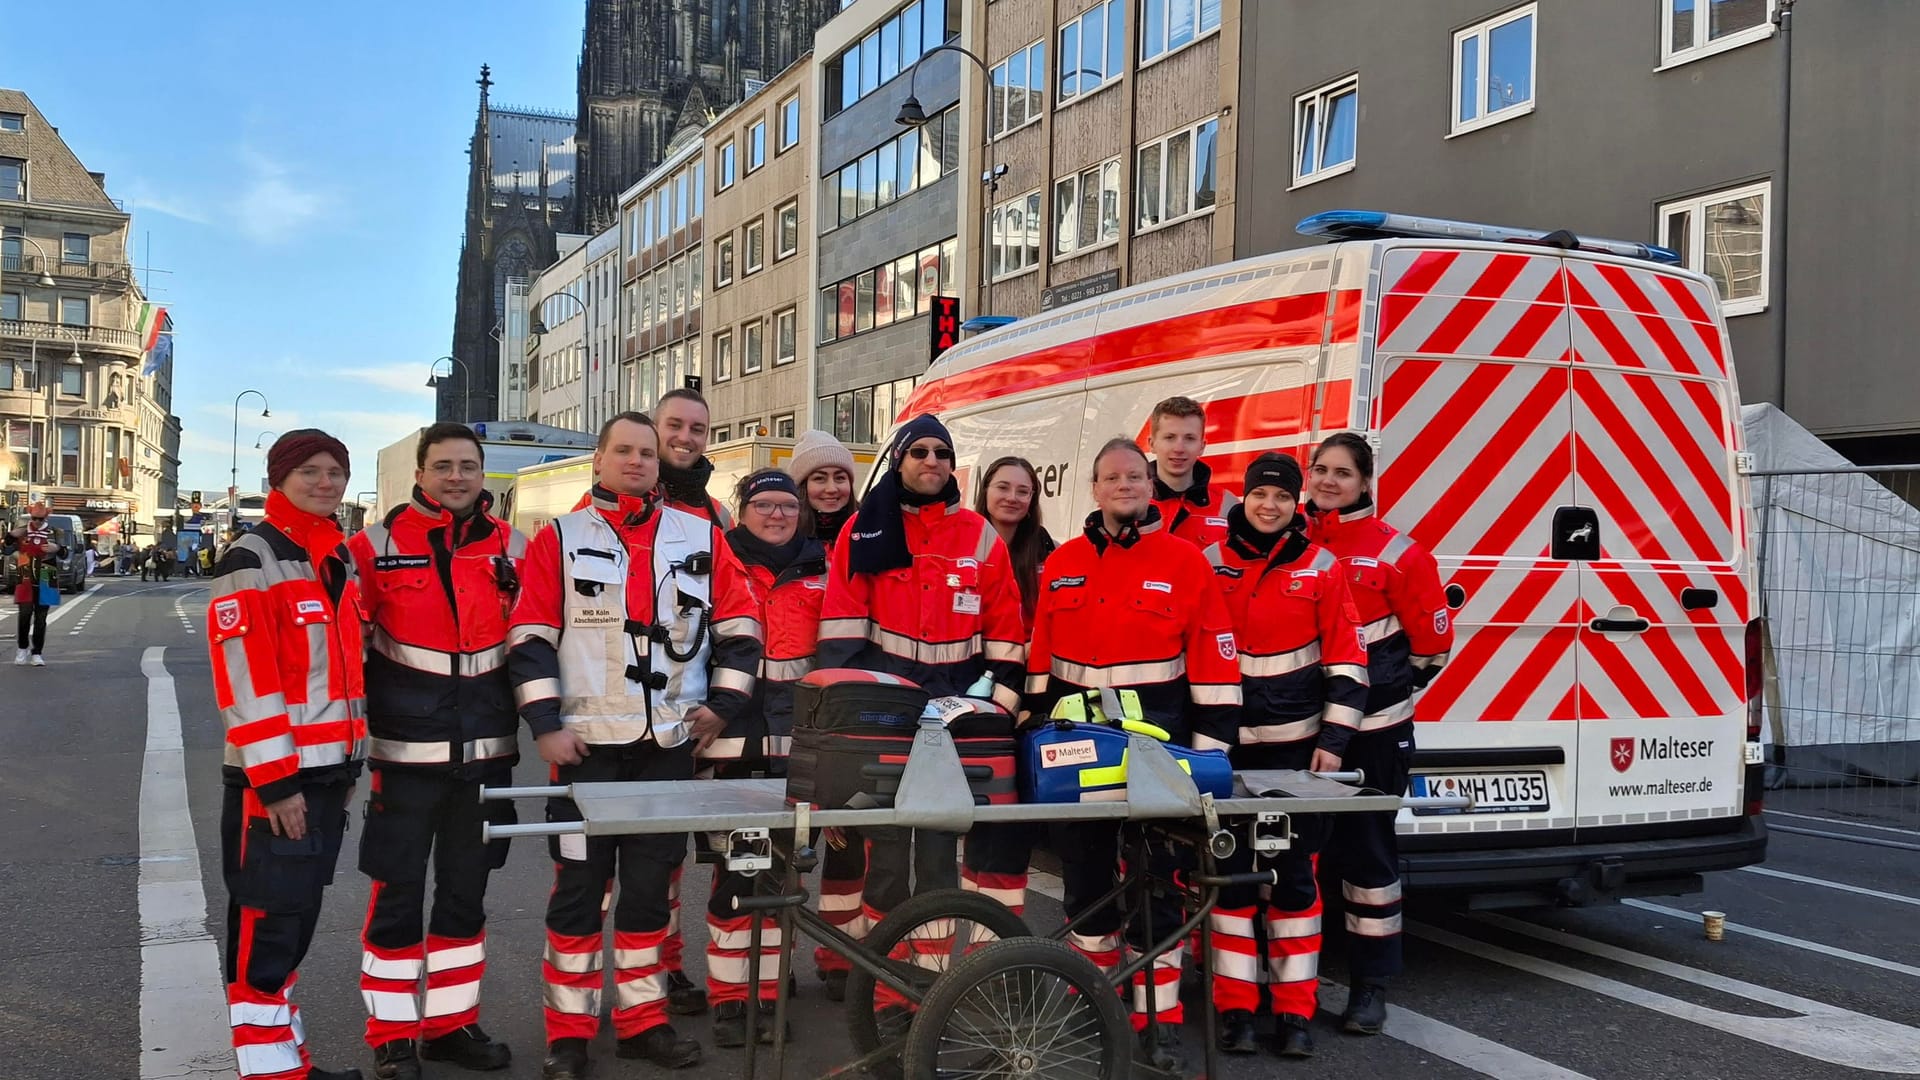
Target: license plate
{"type": "Point", "coordinates": [1492, 793]}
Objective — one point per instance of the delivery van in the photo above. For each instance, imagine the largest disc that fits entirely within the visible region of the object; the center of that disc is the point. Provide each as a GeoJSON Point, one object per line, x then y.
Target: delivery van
{"type": "Point", "coordinates": [1556, 419]}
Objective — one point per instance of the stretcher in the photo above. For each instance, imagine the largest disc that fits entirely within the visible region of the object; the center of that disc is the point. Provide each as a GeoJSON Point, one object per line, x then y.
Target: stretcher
{"type": "Point", "coordinates": [951, 980]}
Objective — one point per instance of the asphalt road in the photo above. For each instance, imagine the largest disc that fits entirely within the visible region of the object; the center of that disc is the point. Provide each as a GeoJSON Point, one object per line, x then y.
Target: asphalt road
{"type": "Point", "coordinates": [1819, 975]}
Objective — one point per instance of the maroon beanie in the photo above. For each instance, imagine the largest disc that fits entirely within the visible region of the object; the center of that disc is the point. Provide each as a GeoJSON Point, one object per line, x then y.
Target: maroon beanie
{"type": "Point", "coordinates": [290, 451]}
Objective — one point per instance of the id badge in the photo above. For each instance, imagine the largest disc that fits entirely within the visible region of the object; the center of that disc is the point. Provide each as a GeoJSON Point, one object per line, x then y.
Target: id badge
{"type": "Point", "coordinates": [966, 603]}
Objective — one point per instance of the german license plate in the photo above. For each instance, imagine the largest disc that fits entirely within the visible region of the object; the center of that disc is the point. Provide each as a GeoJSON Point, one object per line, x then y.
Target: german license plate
{"type": "Point", "coordinates": [1492, 793]}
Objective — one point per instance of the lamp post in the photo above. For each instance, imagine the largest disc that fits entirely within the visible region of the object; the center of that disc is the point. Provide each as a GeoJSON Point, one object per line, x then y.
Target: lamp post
{"type": "Point", "coordinates": [913, 116]}
{"type": "Point", "coordinates": [466, 385]}
{"type": "Point", "coordinates": [539, 329]}
{"type": "Point", "coordinates": [45, 281]}
{"type": "Point", "coordinates": [233, 479]}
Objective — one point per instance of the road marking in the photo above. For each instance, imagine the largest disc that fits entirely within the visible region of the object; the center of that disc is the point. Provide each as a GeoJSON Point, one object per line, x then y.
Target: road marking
{"type": "Point", "coordinates": [1782, 939]}
{"type": "Point", "coordinates": [1857, 890]}
{"type": "Point", "coordinates": [1458, 1046]}
{"type": "Point", "coordinates": [180, 608]}
{"type": "Point", "coordinates": [84, 619]}
{"type": "Point", "coordinates": [68, 607]}
{"type": "Point", "coordinates": [1845, 822]}
{"type": "Point", "coordinates": [1819, 1031]}
{"type": "Point", "coordinates": [183, 1029]}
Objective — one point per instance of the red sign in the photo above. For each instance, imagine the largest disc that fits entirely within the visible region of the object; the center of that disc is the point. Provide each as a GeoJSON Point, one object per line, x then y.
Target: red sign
{"type": "Point", "coordinates": [944, 326]}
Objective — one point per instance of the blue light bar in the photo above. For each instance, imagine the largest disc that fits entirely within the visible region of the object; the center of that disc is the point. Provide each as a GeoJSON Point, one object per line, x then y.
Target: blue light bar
{"type": "Point", "coordinates": [982, 323]}
{"type": "Point", "coordinates": [1374, 225]}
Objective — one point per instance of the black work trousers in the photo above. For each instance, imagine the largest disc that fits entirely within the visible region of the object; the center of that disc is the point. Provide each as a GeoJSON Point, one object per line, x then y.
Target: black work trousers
{"type": "Point", "coordinates": [904, 862]}
{"type": "Point", "coordinates": [1363, 853]}
{"type": "Point", "coordinates": [645, 864]}
{"type": "Point", "coordinates": [415, 817]}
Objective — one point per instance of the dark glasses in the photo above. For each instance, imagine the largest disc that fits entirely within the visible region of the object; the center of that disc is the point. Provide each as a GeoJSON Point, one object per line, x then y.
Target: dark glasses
{"type": "Point", "coordinates": [919, 453]}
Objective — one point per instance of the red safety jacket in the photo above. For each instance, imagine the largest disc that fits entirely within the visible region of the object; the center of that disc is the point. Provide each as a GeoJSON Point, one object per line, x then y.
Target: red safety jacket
{"type": "Point", "coordinates": [951, 617]}
{"type": "Point", "coordinates": [1197, 515]}
{"type": "Point", "coordinates": [1303, 660]}
{"type": "Point", "coordinates": [284, 638]}
{"type": "Point", "coordinates": [1138, 612]}
{"type": "Point", "coordinates": [790, 601]}
{"type": "Point", "coordinates": [438, 591]}
{"type": "Point", "coordinates": [1403, 611]}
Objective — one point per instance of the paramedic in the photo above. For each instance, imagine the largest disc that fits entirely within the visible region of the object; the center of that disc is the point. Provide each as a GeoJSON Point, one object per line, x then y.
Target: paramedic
{"type": "Point", "coordinates": [1125, 605]}
{"type": "Point", "coordinates": [1408, 630]}
{"type": "Point", "coordinates": [1189, 505]}
{"type": "Point", "coordinates": [1303, 685]}
{"type": "Point", "coordinates": [625, 581]}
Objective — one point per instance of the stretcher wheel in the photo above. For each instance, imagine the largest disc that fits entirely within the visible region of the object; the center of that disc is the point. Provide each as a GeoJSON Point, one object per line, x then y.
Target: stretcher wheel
{"type": "Point", "coordinates": [1022, 1009]}
{"type": "Point", "coordinates": [922, 938]}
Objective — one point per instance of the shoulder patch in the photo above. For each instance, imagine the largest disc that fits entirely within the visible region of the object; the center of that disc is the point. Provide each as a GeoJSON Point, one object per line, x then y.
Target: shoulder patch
{"type": "Point", "coordinates": [227, 615]}
{"type": "Point", "coordinates": [1228, 649]}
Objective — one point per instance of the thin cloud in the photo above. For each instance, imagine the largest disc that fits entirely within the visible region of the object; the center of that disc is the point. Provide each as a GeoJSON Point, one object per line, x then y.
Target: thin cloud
{"type": "Point", "coordinates": [410, 379]}
{"type": "Point", "coordinates": [274, 206]}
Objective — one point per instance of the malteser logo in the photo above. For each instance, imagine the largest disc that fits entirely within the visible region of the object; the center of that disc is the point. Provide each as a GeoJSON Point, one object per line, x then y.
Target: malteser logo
{"type": "Point", "coordinates": [1622, 755]}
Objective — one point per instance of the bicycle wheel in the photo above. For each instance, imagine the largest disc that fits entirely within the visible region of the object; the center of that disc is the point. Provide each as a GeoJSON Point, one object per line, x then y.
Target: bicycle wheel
{"type": "Point", "coordinates": [921, 939]}
{"type": "Point", "coordinates": [1023, 1009]}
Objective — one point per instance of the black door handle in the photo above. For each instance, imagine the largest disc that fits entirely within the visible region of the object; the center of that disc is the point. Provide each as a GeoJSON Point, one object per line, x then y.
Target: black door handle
{"type": "Point", "coordinates": [1619, 626]}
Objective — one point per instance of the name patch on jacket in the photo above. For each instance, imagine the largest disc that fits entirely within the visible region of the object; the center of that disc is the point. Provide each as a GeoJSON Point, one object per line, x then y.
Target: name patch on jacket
{"type": "Point", "coordinates": [1157, 586]}
{"type": "Point", "coordinates": [1229, 571]}
{"type": "Point", "coordinates": [585, 617]}
{"type": "Point", "coordinates": [1067, 582]}
{"type": "Point", "coordinates": [401, 562]}
{"type": "Point", "coordinates": [310, 607]}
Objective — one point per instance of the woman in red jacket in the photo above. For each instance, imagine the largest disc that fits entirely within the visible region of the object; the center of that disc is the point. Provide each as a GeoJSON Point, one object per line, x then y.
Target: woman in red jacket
{"type": "Point", "coordinates": [1408, 629]}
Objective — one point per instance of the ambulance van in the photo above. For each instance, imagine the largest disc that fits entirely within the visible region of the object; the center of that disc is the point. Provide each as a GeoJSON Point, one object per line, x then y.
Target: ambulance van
{"type": "Point", "coordinates": [1555, 418]}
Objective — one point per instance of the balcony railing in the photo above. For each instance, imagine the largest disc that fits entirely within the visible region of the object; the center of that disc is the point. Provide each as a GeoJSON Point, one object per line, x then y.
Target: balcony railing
{"type": "Point", "coordinates": [111, 273]}
{"type": "Point", "coordinates": [86, 335]}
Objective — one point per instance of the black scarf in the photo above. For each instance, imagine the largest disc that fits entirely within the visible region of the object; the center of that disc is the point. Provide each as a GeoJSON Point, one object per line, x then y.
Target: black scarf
{"type": "Point", "coordinates": [687, 486]}
{"type": "Point", "coordinates": [754, 551]}
{"type": "Point", "coordinates": [1197, 492]}
{"type": "Point", "coordinates": [1130, 534]}
{"type": "Point", "coordinates": [827, 527]}
{"type": "Point", "coordinates": [1278, 549]}
{"type": "Point", "coordinates": [879, 541]}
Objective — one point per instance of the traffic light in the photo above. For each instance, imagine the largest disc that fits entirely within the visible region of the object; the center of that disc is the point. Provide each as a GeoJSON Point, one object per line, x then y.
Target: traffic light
{"type": "Point", "coordinates": [943, 326]}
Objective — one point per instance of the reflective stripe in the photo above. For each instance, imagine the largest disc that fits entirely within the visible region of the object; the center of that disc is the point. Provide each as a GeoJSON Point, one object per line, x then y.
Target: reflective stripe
{"type": "Point", "coordinates": [1387, 717]}
{"type": "Point", "coordinates": [1380, 629]}
{"type": "Point", "coordinates": [1386, 927]}
{"type": "Point", "coordinates": [728, 749]}
{"type": "Point", "coordinates": [1231, 965]}
{"type": "Point", "coordinates": [1037, 683]}
{"type": "Point", "coordinates": [265, 1059]}
{"type": "Point", "coordinates": [1297, 926]}
{"type": "Point", "coordinates": [401, 752]}
{"type": "Point", "coordinates": [843, 628]}
{"type": "Point", "coordinates": [779, 745]}
{"type": "Point", "coordinates": [573, 963]}
{"type": "Point", "coordinates": [998, 651]}
{"type": "Point", "coordinates": [835, 901]}
{"type": "Point", "coordinates": [255, 754]}
{"type": "Point", "coordinates": [786, 670]}
{"type": "Point", "coordinates": [1425, 662]}
{"type": "Point", "coordinates": [740, 682]}
{"type": "Point", "coordinates": [1297, 967]}
{"type": "Point", "coordinates": [390, 1005]}
{"type": "Point", "coordinates": [251, 708]}
{"type": "Point", "coordinates": [376, 967]}
{"type": "Point", "coordinates": [575, 1000]}
{"type": "Point", "coordinates": [745, 626]}
{"type": "Point", "coordinates": [1343, 715]}
{"type": "Point", "coordinates": [317, 757]}
{"type": "Point", "coordinates": [437, 661]}
{"type": "Point", "coordinates": [499, 746]}
{"type": "Point", "coordinates": [632, 993]}
{"type": "Point", "coordinates": [1292, 731]}
{"type": "Point", "coordinates": [1273, 665]}
{"type": "Point", "coordinates": [1210, 694]}
{"type": "Point", "coordinates": [733, 969]}
{"type": "Point", "coordinates": [534, 690]}
{"type": "Point", "coordinates": [1240, 926]}
{"type": "Point", "coordinates": [457, 957]}
{"type": "Point", "coordinates": [1390, 553]}
{"type": "Point", "coordinates": [1159, 671]}
{"type": "Point", "coordinates": [447, 1000]}
{"type": "Point", "coordinates": [741, 940]}
{"type": "Point", "coordinates": [629, 959]}
{"type": "Point", "coordinates": [1006, 697]}
{"type": "Point", "coordinates": [1011, 897]}
{"type": "Point", "coordinates": [1203, 741]}
{"type": "Point", "coordinates": [1095, 945]}
{"type": "Point", "coordinates": [1356, 672]}
{"type": "Point", "coordinates": [521, 633]}
{"type": "Point", "coordinates": [1376, 897]}
{"type": "Point", "coordinates": [259, 1014]}
{"type": "Point", "coordinates": [925, 652]}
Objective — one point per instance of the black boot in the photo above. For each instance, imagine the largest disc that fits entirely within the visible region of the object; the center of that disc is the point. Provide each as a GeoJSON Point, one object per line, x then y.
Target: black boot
{"type": "Point", "coordinates": [1236, 1033]}
{"type": "Point", "coordinates": [395, 1061]}
{"type": "Point", "coordinates": [684, 998]}
{"type": "Point", "coordinates": [566, 1060]}
{"type": "Point", "coordinates": [1291, 1038]}
{"type": "Point", "coordinates": [730, 1025]}
{"type": "Point", "coordinates": [468, 1048]}
{"type": "Point", "coordinates": [663, 1046]}
{"type": "Point", "coordinates": [1161, 1048]}
{"type": "Point", "coordinates": [1366, 1009]}
{"type": "Point", "coordinates": [836, 984]}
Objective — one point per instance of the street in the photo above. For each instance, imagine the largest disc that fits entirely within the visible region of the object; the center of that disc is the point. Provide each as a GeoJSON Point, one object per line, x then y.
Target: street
{"type": "Point", "coordinates": [1819, 974]}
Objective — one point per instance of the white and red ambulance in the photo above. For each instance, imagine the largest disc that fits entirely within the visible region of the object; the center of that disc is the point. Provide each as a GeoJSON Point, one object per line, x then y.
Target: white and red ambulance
{"type": "Point", "coordinates": [1555, 418]}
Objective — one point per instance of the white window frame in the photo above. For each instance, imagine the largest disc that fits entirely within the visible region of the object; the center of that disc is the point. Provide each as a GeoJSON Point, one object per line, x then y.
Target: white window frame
{"type": "Point", "coordinates": [1001, 241]}
{"type": "Point", "coordinates": [758, 225]}
{"type": "Point", "coordinates": [1078, 249]}
{"type": "Point", "coordinates": [747, 333]}
{"type": "Point", "coordinates": [1200, 33]}
{"type": "Point", "coordinates": [1034, 109]}
{"type": "Point", "coordinates": [1701, 49]}
{"type": "Point", "coordinates": [1164, 142]}
{"type": "Point", "coordinates": [790, 420]}
{"type": "Point", "coordinates": [726, 165]}
{"type": "Point", "coordinates": [86, 310]}
{"type": "Point", "coordinates": [1060, 61]}
{"type": "Point", "coordinates": [1696, 238]}
{"type": "Point", "coordinates": [1321, 99]}
{"type": "Point", "coordinates": [779, 251]}
{"type": "Point", "coordinates": [781, 145]}
{"type": "Point", "coordinates": [790, 315]}
{"type": "Point", "coordinates": [1484, 32]}
{"type": "Point", "coordinates": [756, 146]}
{"type": "Point", "coordinates": [723, 356]}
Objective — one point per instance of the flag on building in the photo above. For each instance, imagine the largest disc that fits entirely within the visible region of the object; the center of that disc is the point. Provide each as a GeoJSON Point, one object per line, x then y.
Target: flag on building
{"type": "Point", "coordinates": [155, 330]}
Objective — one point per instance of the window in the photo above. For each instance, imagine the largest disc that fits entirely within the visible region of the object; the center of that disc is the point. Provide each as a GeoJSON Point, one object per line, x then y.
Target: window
{"type": "Point", "coordinates": [750, 355]}
{"type": "Point", "coordinates": [699, 189]}
{"type": "Point", "coordinates": [889, 293]}
{"type": "Point", "coordinates": [757, 145]}
{"type": "Point", "coordinates": [75, 247]}
{"type": "Point", "coordinates": [786, 237]}
{"type": "Point", "coordinates": [786, 336]}
{"type": "Point", "coordinates": [1177, 175]}
{"type": "Point", "coordinates": [13, 180]}
{"type": "Point", "coordinates": [10, 306]}
{"type": "Point", "coordinates": [1170, 25]}
{"type": "Point", "coordinates": [888, 51]}
{"type": "Point", "coordinates": [1016, 236]}
{"type": "Point", "coordinates": [646, 222]}
{"type": "Point", "coordinates": [756, 243]}
{"type": "Point", "coordinates": [680, 286]}
{"type": "Point", "coordinates": [789, 124]}
{"type": "Point", "coordinates": [663, 217]}
{"type": "Point", "coordinates": [680, 200]}
{"type": "Point", "coordinates": [1325, 122]}
{"type": "Point", "coordinates": [696, 275]}
{"type": "Point", "coordinates": [783, 426]}
{"type": "Point", "coordinates": [70, 455]}
{"type": "Point", "coordinates": [721, 434]}
{"type": "Point", "coordinates": [1493, 70]}
{"type": "Point", "coordinates": [1092, 50]}
{"type": "Point", "coordinates": [1696, 28]}
{"type": "Point", "coordinates": [723, 356]}
{"type": "Point", "coordinates": [1086, 209]}
{"type": "Point", "coordinates": [1725, 235]}
{"type": "Point", "coordinates": [6, 381]}
{"type": "Point", "coordinates": [12, 121]}
{"type": "Point", "coordinates": [1019, 87]}
{"type": "Point", "coordinates": [723, 167]}
{"type": "Point", "coordinates": [73, 380]}
{"type": "Point", "coordinates": [723, 261]}
{"type": "Point", "coordinates": [73, 311]}
{"type": "Point", "coordinates": [893, 170]}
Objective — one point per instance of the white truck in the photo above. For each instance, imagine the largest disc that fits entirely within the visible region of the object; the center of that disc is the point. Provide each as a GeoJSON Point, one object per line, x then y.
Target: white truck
{"type": "Point", "coordinates": [509, 447]}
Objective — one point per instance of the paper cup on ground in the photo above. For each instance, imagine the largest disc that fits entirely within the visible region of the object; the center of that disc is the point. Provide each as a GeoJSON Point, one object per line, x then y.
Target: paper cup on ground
{"type": "Point", "coordinates": [1715, 924]}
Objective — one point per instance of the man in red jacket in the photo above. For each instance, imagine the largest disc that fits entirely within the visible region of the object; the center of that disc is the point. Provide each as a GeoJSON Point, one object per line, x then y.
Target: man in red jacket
{"type": "Point", "coordinates": [1191, 508]}
{"type": "Point", "coordinates": [439, 576]}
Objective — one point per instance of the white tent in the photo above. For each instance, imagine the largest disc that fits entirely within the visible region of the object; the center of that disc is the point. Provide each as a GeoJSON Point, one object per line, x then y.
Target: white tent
{"type": "Point", "coordinates": [1839, 557]}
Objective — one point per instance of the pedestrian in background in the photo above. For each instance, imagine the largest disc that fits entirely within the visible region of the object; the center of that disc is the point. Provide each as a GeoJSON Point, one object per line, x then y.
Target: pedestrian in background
{"type": "Point", "coordinates": [36, 552]}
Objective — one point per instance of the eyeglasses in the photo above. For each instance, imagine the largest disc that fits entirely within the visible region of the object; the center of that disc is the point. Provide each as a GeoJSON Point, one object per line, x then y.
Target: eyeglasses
{"type": "Point", "coordinates": [313, 474]}
{"type": "Point", "coordinates": [774, 509]}
{"type": "Point", "coordinates": [456, 468]}
{"type": "Point", "coordinates": [940, 453]}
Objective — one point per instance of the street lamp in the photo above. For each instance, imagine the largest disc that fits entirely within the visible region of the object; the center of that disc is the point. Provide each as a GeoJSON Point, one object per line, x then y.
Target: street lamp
{"type": "Point", "coordinates": [912, 115]}
{"type": "Point", "coordinates": [466, 385]}
{"type": "Point", "coordinates": [45, 281]}
{"type": "Point", "coordinates": [233, 479]}
{"type": "Point", "coordinates": [539, 327]}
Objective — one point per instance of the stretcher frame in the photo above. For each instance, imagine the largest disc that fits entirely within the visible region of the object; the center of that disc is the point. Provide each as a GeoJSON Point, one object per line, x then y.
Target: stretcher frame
{"type": "Point", "coordinates": [771, 838]}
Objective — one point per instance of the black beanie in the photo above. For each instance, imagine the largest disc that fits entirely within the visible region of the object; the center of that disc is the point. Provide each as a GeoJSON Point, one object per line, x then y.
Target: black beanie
{"type": "Point", "coordinates": [1275, 470]}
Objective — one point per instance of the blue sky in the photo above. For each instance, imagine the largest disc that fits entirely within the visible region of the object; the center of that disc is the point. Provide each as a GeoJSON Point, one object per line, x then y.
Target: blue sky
{"type": "Point", "coordinates": [300, 171]}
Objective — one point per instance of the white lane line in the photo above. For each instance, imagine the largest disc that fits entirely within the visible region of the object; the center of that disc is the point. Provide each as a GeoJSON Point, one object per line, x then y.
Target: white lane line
{"type": "Point", "coordinates": [1857, 890]}
{"type": "Point", "coordinates": [88, 617]}
{"type": "Point", "coordinates": [180, 608]}
{"type": "Point", "coordinates": [1817, 1030]}
{"type": "Point", "coordinates": [1687, 917]}
{"type": "Point", "coordinates": [68, 607]}
{"type": "Point", "coordinates": [1845, 822]}
{"type": "Point", "coordinates": [183, 1029]}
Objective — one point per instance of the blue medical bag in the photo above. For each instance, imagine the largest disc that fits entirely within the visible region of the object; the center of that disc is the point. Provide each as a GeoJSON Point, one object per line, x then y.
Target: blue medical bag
{"type": "Point", "coordinates": [1070, 762]}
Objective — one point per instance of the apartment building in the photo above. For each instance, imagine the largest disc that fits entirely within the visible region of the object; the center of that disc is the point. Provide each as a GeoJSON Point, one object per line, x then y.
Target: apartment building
{"type": "Point", "coordinates": [663, 244]}
{"type": "Point", "coordinates": [557, 338]}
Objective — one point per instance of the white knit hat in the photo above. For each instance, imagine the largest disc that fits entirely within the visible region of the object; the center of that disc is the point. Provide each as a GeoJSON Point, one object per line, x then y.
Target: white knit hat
{"type": "Point", "coordinates": [816, 450]}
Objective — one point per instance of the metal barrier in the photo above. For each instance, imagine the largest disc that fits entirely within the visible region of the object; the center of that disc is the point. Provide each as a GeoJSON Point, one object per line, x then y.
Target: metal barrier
{"type": "Point", "coordinates": [1838, 554]}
